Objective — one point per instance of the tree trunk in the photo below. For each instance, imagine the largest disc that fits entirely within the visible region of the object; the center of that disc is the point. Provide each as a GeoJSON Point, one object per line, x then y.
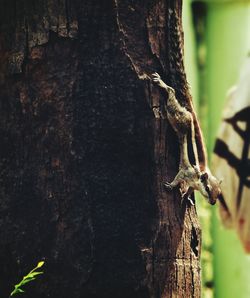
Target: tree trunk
{"type": "Point", "coordinates": [86, 147]}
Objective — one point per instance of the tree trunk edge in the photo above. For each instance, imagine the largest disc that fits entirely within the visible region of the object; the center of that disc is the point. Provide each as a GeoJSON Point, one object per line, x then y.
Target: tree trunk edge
{"type": "Point", "coordinates": [171, 256]}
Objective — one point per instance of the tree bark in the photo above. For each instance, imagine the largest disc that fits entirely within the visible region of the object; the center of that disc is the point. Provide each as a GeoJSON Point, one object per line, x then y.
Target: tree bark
{"type": "Point", "coordinates": [86, 147]}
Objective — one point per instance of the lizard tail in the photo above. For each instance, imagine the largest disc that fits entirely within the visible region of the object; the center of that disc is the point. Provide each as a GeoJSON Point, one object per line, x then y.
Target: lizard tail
{"type": "Point", "coordinates": [200, 144]}
{"type": "Point", "coordinates": [178, 77]}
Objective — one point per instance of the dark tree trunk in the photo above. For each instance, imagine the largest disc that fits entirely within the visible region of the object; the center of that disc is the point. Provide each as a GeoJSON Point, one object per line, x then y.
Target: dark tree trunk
{"type": "Point", "coordinates": [85, 148]}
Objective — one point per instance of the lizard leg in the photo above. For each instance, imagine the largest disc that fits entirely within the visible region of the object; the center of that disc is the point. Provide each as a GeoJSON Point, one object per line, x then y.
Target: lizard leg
{"type": "Point", "coordinates": [184, 160]}
{"type": "Point", "coordinates": [157, 79]}
{"type": "Point", "coordinates": [186, 195]}
{"type": "Point", "coordinates": [176, 182]}
{"type": "Point", "coordinates": [184, 164]}
{"type": "Point", "coordinates": [194, 145]}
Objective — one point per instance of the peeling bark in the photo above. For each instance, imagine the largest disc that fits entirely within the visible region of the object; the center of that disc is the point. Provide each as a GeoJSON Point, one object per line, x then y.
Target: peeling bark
{"type": "Point", "coordinates": [85, 147]}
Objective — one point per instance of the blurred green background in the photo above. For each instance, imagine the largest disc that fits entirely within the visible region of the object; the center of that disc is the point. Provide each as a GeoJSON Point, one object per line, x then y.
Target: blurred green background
{"type": "Point", "coordinates": [217, 41]}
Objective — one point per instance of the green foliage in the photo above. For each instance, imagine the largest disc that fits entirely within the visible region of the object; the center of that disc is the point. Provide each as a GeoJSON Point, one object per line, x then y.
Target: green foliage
{"type": "Point", "coordinates": [26, 279]}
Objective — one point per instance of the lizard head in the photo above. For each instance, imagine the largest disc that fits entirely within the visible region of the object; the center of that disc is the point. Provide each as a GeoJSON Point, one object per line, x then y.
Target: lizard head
{"type": "Point", "coordinates": [210, 187]}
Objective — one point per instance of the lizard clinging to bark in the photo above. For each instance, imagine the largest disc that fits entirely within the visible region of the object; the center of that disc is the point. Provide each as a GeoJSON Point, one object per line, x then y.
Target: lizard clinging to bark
{"type": "Point", "coordinates": [190, 177]}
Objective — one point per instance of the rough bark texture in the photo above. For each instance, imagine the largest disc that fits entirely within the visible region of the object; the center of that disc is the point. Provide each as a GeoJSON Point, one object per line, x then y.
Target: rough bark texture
{"type": "Point", "coordinates": [85, 147]}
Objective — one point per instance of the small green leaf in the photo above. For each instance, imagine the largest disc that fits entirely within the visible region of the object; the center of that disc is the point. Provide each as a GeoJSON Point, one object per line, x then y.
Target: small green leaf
{"type": "Point", "coordinates": [20, 290]}
{"type": "Point", "coordinates": [35, 273]}
{"type": "Point", "coordinates": [16, 291]}
{"type": "Point", "coordinates": [27, 278]}
{"type": "Point", "coordinates": [32, 274]}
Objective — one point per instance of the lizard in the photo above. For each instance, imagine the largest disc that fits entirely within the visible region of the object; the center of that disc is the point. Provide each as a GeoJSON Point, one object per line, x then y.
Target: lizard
{"type": "Point", "coordinates": [189, 177]}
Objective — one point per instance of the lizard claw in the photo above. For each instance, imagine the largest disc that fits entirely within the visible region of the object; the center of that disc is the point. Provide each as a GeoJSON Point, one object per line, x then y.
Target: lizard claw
{"type": "Point", "coordinates": [168, 186]}
{"type": "Point", "coordinates": [156, 78]}
{"type": "Point", "coordinates": [191, 201]}
{"type": "Point", "coordinates": [156, 75]}
{"type": "Point", "coordinates": [185, 198]}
